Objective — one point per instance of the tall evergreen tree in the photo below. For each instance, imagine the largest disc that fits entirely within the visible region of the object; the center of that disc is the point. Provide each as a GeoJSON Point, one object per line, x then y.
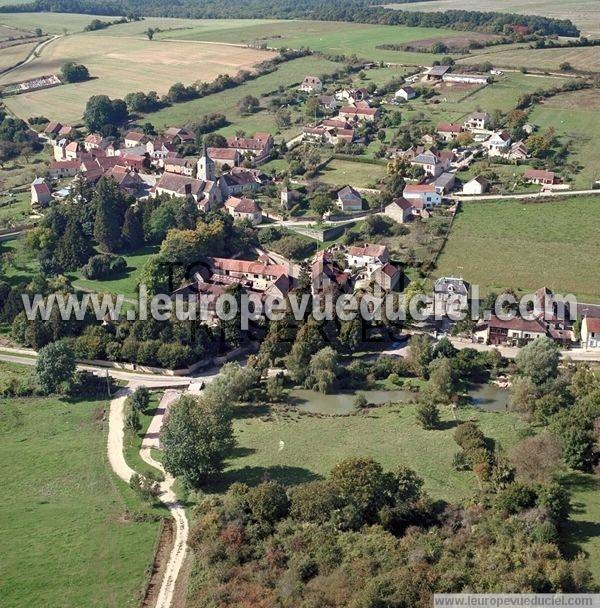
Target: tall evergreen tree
{"type": "Point", "coordinates": [111, 204]}
{"type": "Point", "coordinates": [133, 232]}
{"type": "Point", "coordinates": [73, 248]}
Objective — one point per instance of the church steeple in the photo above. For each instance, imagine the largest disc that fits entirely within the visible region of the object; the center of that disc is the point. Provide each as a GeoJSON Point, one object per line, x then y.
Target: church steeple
{"type": "Point", "coordinates": [206, 166]}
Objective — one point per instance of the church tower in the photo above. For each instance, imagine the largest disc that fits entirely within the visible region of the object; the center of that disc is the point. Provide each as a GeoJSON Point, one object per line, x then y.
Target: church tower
{"type": "Point", "coordinates": [206, 167]}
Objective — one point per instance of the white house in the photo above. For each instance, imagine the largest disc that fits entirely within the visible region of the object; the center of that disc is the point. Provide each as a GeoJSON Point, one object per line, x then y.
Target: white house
{"type": "Point", "coordinates": [477, 121]}
{"type": "Point", "coordinates": [498, 143]}
{"type": "Point", "coordinates": [349, 199]}
{"type": "Point", "coordinates": [478, 185]}
{"type": "Point", "coordinates": [134, 139]}
{"type": "Point", "coordinates": [405, 93]}
{"type": "Point", "coordinates": [422, 196]}
{"type": "Point", "coordinates": [590, 333]}
{"type": "Point", "coordinates": [311, 84]}
{"type": "Point", "coordinates": [367, 256]}
{"type": "Point", "coordinates": [40, 192]}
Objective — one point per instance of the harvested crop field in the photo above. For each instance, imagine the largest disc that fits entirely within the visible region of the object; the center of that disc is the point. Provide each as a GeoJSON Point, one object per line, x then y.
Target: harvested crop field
{"type": "Point", "coordinates": [584, 59]}
{"type": "Point", "coordinates": [11, 55]}
{"type": "Point", "coordinates": [122, 65]}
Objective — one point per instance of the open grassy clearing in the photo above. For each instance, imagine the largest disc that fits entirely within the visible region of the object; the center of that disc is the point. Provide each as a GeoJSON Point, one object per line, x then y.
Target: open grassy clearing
{"type": "Point", "coordinates": [583, 13]}
{"type": "Point", "coordinates": [503, 244]}
{"type": "Point", "coordinates": [125, 284]}
{"type": "Point", "coordinates": [389, 434]}
{"type": "Point", "coordinates": [12, 55]}
{"type": "Point", "coordinates": [288, 74]}
{"type": "Point", "coordinates": [14, 209]}
{"type": "Point", "coordinates": [330, 37]}
{"type": "Point", "coordinates": [51, 23]}
{"type": "Point", "coordinates": [342, 172]}
{"type": "Point", "coordinates": [585, 59]}
{"type": "Point", "coordinates": [575, 116]}
{"type": "Point", "coordinates": [63, 528]}
{"type": "Point", "coordinates": [120, 66]}
{"type": "Point", "coordinates": [583, 530]}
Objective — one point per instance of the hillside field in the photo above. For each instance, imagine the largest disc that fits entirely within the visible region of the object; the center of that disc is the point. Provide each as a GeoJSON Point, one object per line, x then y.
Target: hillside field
{"type": "Point", "coordinates": [62, 520]}
{"type": "Point", "coordinates": [119, 66]}
{"type": "Point", "coordinates": [509, 244]}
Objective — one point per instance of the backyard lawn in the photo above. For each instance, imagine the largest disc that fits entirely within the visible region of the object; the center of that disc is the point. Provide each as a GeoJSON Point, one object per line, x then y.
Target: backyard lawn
{"type": "Point", "coordinates": [504, 244]}
{"type": "Point", "coordinates": [63, 519]}
{"type": "Point", "coordinates": [360, 175]}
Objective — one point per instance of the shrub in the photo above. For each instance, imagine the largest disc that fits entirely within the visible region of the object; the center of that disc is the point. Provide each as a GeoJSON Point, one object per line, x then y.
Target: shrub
{"type": "Point", "coordinates": [428, 414]}
{"type": "Point", "coordinates": [103, 266]}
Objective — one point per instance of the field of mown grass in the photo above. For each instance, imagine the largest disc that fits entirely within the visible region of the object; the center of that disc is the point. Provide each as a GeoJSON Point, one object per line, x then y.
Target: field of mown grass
{"type": "Point", "coordinates": [360, 175]}
{"type": "Point", "coordinates": [51, 23]}
{"type": "Point", "coordinates": [64, 537]}
{"type": "Point", "coordinates": [509, 244]}
{"type": "Point", "coordinates": [119, 65]}
{"type": "Point", "coordinates": [575, 117]}
{"type": "Point", "coordinates": [585, 59]}
{"type": "Point", "coordinates": [12, 55]}
{"type": "Point", "coordinates": [329, 37]}
{"type": "Point", "coordinates": [389, 434]}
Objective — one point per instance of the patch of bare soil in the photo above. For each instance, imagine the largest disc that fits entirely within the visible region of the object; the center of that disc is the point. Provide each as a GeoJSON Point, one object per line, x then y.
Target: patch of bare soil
{"type": "Point", "coordinates": [161, 557]}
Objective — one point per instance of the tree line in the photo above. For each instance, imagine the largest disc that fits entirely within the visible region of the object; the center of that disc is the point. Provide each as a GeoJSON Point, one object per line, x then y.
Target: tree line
{"type": "Point", "coordinates": [358, 11]}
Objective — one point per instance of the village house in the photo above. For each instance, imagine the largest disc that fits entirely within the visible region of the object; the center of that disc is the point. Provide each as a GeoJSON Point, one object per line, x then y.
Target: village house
{"type": "Point", "coordinates": [353, 96]}
{"type": "Point", "coordinates": [224, 158]}
{"type": "Point", "coordinates": [590, 333]}
{"type": "Point", "coordinates": [451, 293]}
{"type": "Point", "coordinates": [64, 168]}
{"type": "Point", "coordinates": [477, 185]}
{"type": "Point", "coordinates": [311, 84]}
{"type": "Point", "coordinates": [40, 192]}
{"type": "Point", "coordinates": [206, 194]}
{"type": "Point", "coordinates": [422, 196]}
{"type": "Point", "coordinates": [135, 138]}
{"type": "Point", "coordinates": [259, 145]}
{"type": "Point", "coordinates": [518, 151]}
{"type": "Point", "coordinates": [159, 148]}
{"type": "Point", "coordinates": [400, 210]}
{"type": "Point", "coordinates": [476, 121]}
{"type": "Point", "coordinates": [387, 276]}
{"type": "Point", "coordinates": [444, 183]}
{"type": "Point", "coordinates": [406, 93]}
{"type": "Point", "coordinates": [182, 166]}
{"type": "Point", "coordinates": [498, 143]}
{"type": "Point", "coordinates": [539, 176]}
{"type": "Point", "coordinates": [134, 161]}
{"type": "Point", "coordinates": [256, 276]}
{"type": "Point", "coordinates": [55, 131]}
{"type": "Point", "coordinates": [448, 131]}
{"type": "Point", "coordinates": [128, 180]}
{"type": "Point", "coordinates": [240, 179]}
{"type": "Point", "coordinates": [179, 135]}
{"type": "Point", "coordinates": [357, 114]}
{"type": "Point", "coordinates": [348, 199]}
{"type": "Point", "coordinates": [327, 102]}
{"type": "Point", "coordinates": [516, 331]}
{"type": "Point", "coordinates": [94, 141]}
{"type": "Point", "coordinates": [367, 256]}
{"type": "Point", "coordinates": [244, 209]}
{"type": "Point", "coordinates": [430, 163]}
{"type": "Point", "coordinates": [327, 275]}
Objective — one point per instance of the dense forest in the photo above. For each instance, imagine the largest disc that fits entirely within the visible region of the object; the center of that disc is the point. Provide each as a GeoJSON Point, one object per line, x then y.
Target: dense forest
{"type": "Point", "coordinates": [360, 11]}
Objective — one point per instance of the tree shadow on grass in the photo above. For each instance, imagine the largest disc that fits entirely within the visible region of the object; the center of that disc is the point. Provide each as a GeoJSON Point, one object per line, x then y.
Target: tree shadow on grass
{"type": "Point", "coordinates": [447, 425]}
{"type": "Point", "coordinates": [252, 476]}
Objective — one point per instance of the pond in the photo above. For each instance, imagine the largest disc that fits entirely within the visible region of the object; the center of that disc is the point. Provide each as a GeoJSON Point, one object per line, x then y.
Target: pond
{"type": "Point", "coordinates": [486, 396]}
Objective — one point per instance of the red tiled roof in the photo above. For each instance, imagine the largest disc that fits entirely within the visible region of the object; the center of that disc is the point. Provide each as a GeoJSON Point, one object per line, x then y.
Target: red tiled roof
{"type": "Point", "coordinates": [242, 205]}
{"type": "Point", "coordinates": [244, 266]}
{"type": "Point", "coordinates": [539, 174]}
{"type": "Point", "coordinates": [518, 323]}
{"type": "Point", "coordinates": [374, 251]}
{"type": "Point", "coordinates": [410, 188]}
{"type": "Point", "coordinates": [449, 127]}
{"type": "Point", "coordinates": [222, 153]}
{"type": "Point", "coordinates": [593, 324]}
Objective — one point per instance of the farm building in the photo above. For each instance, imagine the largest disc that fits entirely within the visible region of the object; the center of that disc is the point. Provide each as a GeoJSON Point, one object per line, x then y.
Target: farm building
{"type": "Point", "coordinates": [478, 185]}
{"type": "Point", "coordinates": [400, 210]}
{"type": "Point", "coordinates": [40, 192]}
{"type": "Point", "coordinates": [437, 72]}
{"type": "Point", "coordinates": [466, 78]}
{"type": "Point", "coordinates": [405, 93]}
{"type": "Point", "coordinates": [590, 333]}
{"type": "Point", "coordinates": [349, 199]}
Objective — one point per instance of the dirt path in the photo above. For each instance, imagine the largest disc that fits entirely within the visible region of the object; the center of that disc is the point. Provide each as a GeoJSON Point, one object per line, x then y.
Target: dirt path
{"type": "Point", "coordinates": [35, 53]}
{"type": "Point", "coordinates": [168, 497]}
